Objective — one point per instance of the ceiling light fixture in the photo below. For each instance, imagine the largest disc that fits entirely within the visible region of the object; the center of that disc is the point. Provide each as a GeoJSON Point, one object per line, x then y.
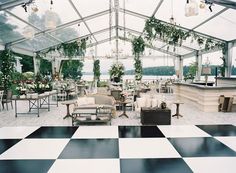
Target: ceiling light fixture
{"type": "Point", "coordinates": [172, 19]}
{"type": "Point", "coordinates": [51, 18]}
{"type": "Point", "coordinates": [191, 8]}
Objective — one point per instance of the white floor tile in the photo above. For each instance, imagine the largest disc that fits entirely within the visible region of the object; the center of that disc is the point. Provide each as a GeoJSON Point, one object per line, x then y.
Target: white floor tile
{"type": "Point", "coordinates": [35, 149]}
{"type": "Point", "coordinates": [146, 148]}
{"type": "Point", "coordinates": [16, 132]}
{"type": "Point", "coordinates": [230, 141]}
{"type": "Point", "coordinates": [212, 164]}
{"type": "Point", "coordinates": [182, 131]}
{"type": "Point", "coordinates": [86, 132]}
{"type": "Point", "coordinates": [86, 166]}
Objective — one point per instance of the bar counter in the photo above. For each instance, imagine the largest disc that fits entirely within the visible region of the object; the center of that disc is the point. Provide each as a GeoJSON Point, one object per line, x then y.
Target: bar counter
{"type": "Point", "coordinates": [205, 98]}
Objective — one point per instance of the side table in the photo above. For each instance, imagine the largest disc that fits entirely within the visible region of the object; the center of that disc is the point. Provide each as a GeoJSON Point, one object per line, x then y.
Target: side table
{"type": "Point", "coordinates": [124, 109]}
{"type": "Point", "coordinates": [68, 103]}
{"type": "Point", "coordinates": [177, 114]}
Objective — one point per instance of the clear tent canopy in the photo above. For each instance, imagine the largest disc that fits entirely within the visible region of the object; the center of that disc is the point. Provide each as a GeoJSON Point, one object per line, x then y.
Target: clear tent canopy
{"type": "Point", "coordinates": [105, 21]}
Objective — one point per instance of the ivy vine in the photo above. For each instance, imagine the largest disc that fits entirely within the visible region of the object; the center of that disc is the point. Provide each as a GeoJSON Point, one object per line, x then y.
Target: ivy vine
{"type": "Point", "coordinates": [7, 68]}
{"type": "Point", "coordinates": [138, 45]}
{"type": "Point", "coordinates": [174, 35]}
{"type": "Point", "coordinates": [70, 49]}
{"type": "Point", "coordinates": [96, 69]}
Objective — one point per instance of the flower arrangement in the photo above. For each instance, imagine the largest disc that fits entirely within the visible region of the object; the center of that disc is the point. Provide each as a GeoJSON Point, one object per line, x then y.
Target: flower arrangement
{"type": "Point", "coordinates": [117, 71]}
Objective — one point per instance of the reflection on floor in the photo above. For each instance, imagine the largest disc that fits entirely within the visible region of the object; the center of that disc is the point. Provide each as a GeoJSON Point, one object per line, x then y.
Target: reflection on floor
{"type": "Point", "coordinates": [118, 149]}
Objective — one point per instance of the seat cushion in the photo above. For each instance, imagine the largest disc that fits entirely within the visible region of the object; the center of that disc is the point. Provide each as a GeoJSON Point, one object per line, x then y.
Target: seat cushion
{"type": "Point", "coordinates": [141, 102]}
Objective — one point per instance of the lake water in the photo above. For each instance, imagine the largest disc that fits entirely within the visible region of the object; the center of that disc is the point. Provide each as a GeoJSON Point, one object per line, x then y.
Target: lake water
{"type": "Point", "coordinates": [131, 77]}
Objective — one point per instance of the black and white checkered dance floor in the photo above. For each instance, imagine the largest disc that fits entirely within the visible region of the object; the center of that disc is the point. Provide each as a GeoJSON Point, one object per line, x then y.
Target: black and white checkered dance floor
{"type": "Point", "coordinates": [118, 149]}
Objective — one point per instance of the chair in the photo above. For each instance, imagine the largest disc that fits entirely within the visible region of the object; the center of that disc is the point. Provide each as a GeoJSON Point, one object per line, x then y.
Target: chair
{"type": "Point", "coordinates": [7, 98]}
{"type": "Point", "coordinates": [61, 94]}
{"type": "Point", "coordinates": [1, 95]}
{"type": "Point", "coordinates": [116, 94]}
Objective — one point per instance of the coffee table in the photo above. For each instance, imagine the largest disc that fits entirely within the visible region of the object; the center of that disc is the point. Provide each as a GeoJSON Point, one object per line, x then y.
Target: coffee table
{"type": "Point", "coordinates": [91, 115]}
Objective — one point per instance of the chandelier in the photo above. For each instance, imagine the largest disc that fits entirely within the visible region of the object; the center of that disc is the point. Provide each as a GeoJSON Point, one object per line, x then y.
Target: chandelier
{"type": "Point", "coordinates": [28, 32]}
{"type": "Point", "coordinates": [50, 19]}
{"type": "Point", "coordinates": [191, 8]}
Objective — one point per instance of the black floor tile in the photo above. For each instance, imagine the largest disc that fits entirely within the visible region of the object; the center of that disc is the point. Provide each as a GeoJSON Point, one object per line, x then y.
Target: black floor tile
{"type": "Point", "coordinates": [53, 132]}
{"type": "Point", "coordinates": [167, 165]}
{"type": "Point", "coordinates": [7, 143]}
{"type": "Point", "coordinates": [25, 166]}
{"type": "Point", "coordinates": [91, 148]}
{"type": "Point", "coordinates": [219, 130]}
{"type": "Point", "coordinates": [201, 147]}
{"type": "Point", "coordinates": [139, 132]}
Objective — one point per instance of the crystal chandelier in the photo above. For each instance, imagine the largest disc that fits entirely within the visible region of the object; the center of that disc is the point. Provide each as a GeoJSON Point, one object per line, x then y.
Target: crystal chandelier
{"type": "Point", "coordinates": [28, 32]}
{"type": "Point", "coordinates": [191, 8]}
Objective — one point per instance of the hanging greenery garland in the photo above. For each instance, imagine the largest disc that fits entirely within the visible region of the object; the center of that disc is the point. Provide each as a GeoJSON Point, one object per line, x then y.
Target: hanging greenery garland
{"type": "Point", "coordinates": [174, 35]}
{"type": "Point", "coordinates": [96, 69]}
{"type": "Point", "coordinates": [7, 68]}
{"type": "Point", "coordinates": [70, 49]}
{"type": "Point", "coordinates": [138, 46]}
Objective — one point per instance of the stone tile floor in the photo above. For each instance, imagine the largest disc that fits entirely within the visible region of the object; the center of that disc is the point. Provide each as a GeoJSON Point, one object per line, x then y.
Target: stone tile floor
{"type": "Point", "coordinates": [191, 116]}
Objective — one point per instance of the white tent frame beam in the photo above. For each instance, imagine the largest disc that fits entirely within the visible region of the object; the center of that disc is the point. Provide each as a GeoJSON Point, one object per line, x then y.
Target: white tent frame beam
{"type": "Point", "coordinates": [78, 13]}
{"type": "Point", "coordinates": [210, 18]}
{"type": "Point", "coordinates": [132, 13]}
{"type": "Point", "coordinates": [154, 48]}
{"type": "Point", "coordinates": [62, 26]}
{"type": "Point", "coordinates": [12, 4]}
{"type": "Point", "coordinates": [82, 37]}
{"type": "Point", "coordinates": [137, 32]}
{"type": "Point", "coordinates": [157, 7]}
{"type": "Point", "coordinates": [56, 39]}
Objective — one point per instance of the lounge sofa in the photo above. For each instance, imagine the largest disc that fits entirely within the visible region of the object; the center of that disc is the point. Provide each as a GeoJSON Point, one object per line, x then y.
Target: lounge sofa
{"type": "Point", "coordinates": [95, 101]}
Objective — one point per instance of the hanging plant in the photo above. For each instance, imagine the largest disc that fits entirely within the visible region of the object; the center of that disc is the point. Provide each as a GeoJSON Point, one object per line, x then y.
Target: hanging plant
{"type": "Point", "coordinates": [117, 71]}
{"type": "Point", "coordinates": [169, 33]}
{"type": "Point", "coordinates": [96, 70]}
{"type": "Point", "coordinates": [223, 66]}
{"type": "Point", "coordinates": [174, 35]}
{"type": "Point", "coordinates": [70, 49]}
{"type": "Point", "coordinates": [73, 48]}
{"type": "Point", "coordinates": [138, 68]}
{"type": "Point", "coordinates": [7, 68]}
{"type": "Point", "coordinates": [138, 46]}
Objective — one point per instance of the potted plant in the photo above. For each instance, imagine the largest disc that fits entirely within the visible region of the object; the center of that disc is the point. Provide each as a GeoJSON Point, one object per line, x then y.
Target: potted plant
{"type": "Point", "coordinates": [116, 72]}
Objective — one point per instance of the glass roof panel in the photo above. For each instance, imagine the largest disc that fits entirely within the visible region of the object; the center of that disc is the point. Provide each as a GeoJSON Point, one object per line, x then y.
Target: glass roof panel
{"type": "Point", "coordinates": [132, 22]}
{"type": "Point", "coordinates": [38, 18]}
{"type": "Point", "coordinates": [98, 23]}
{"type": "Point", "coordinates": [146, 7]}
{"type": "Point", "coordinates": [10, 28]}
{"type": "Point", "coordinates": [165, 12]}
{"type": "Point", "coordinates": [70, 33]}
{"type": "Point", "coordinates": [88, 7]}
{"type": "Point", "coordinates": [192, 43]}
{"type": "Point", "coordinates": [38, 43]}
{"type": "Point", "coordinates": [4, 1]}
{"type": "Point", "coordinates": [222, 26]}
{"type": "Point", "coordinates": [105, 35]}
{"type": "Point", "coordinates": [178, 50]}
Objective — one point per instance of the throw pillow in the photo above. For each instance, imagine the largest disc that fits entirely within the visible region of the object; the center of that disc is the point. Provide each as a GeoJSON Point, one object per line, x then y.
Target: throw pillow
{"type": "Point", "coordinates": [90, 100]}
